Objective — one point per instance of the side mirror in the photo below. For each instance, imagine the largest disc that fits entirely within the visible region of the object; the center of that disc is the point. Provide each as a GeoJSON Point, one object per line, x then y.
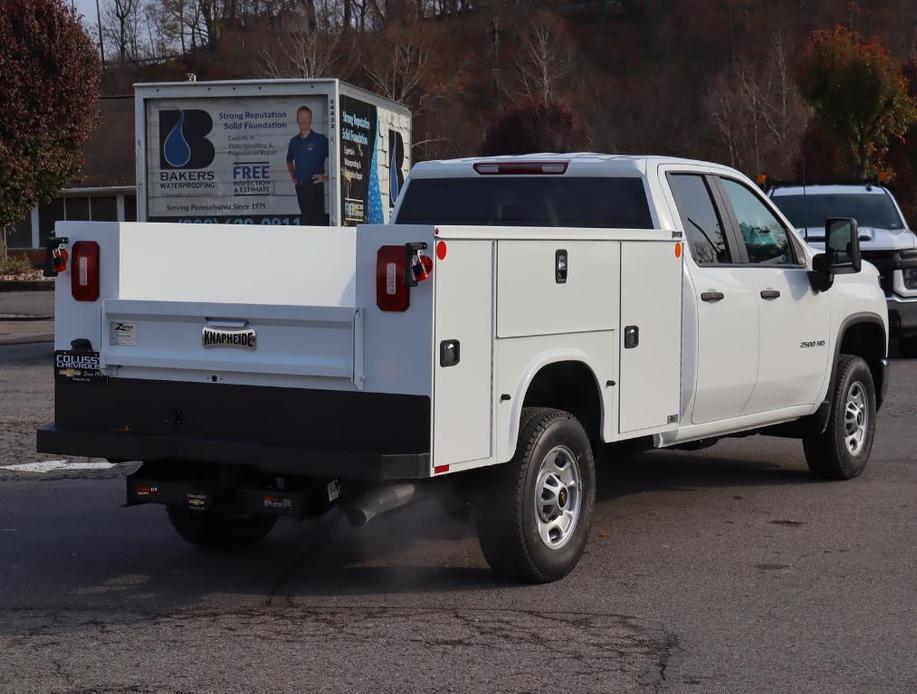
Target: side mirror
{"type": "Point", "coordinates": [841, 256]}
{"type": "Point", "coordinates": [842, 245]}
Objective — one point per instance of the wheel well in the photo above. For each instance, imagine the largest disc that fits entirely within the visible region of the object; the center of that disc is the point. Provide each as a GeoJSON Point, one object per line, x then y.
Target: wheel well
{"type": "Point", "coordinates": [866, 340]}
{"type": "Point", "coordinates": [570, 386]}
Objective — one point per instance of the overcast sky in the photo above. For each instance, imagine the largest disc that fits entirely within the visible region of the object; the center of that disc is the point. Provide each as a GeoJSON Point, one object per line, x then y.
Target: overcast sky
{"type": "Point", "coordinates": [87, 8]}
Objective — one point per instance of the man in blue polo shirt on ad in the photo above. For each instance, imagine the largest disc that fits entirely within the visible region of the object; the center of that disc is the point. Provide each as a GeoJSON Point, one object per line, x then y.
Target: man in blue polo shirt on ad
{"type": "Point", "coordinates": [306, 158]}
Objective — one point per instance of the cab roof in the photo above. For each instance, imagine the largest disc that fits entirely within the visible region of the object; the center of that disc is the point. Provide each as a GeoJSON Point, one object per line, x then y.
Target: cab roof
{"type": "Point", "coordinates": [579, 163]}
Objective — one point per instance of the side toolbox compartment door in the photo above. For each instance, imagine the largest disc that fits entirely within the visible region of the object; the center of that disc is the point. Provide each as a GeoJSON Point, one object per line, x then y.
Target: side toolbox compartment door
{"type": "Point", "coordinates": [462, 358]}
{"type": "Point", "coordinates": [650, 333]}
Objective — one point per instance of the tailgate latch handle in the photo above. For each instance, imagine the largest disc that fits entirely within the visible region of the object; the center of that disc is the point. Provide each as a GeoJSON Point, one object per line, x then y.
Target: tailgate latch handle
{"type": "Point", "coordinates": [227, 324]}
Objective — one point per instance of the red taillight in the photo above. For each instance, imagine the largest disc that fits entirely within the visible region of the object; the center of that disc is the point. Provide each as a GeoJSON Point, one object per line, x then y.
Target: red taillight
{"type": "Point", "coordinates": [490, 168]}
{"type": "Point", "coordinates": [84, 271]}
{"type": "Point", "coordinates": [391, 289]}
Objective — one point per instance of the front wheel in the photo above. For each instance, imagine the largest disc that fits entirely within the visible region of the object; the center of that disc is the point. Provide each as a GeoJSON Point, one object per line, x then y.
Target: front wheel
{"type": "Point", "coordinates": [534, 512]}
{"type": "Point", "coordinates": [842, 451]}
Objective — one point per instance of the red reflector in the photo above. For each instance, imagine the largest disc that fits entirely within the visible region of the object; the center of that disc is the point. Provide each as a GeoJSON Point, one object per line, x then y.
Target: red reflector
{"type": "Point", "coordinates": [441, 250]}
{"type": "Point", "coordinates": [391, 289]}
{"type": "Point", "coordinates": [440, 468]}
{"type": "Point", "coordinates": [84, 271]}
{"type": "Point", "coordinates": [521, 167]}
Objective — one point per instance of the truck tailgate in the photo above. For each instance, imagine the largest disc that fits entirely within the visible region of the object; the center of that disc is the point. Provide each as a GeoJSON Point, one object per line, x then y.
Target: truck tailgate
{"type": "Point", "coordinates": [208, 338]}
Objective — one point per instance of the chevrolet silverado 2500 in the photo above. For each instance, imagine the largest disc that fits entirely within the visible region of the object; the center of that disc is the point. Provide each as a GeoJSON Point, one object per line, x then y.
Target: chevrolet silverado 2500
{"type": "Point", "coordinates": [520, 318]}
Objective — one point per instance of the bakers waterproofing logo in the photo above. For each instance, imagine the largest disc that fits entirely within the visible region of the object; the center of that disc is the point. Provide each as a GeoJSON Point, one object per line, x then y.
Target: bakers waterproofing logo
{"type": "Point", "coordinates": [183, 142]}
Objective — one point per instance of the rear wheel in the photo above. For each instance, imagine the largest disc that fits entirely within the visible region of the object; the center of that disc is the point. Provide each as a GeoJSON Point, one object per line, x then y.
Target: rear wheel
{"type": "Point", "coordinates": [213, 530]}
{"type": "Point", "coordinates": [534, 512]}
{"type": "Point", "coordinates": [842, 451]}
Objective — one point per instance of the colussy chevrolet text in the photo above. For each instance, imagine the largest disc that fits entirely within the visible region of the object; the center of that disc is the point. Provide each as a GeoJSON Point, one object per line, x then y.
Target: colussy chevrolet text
{"type": "Point", "coordinates": [521, 318]}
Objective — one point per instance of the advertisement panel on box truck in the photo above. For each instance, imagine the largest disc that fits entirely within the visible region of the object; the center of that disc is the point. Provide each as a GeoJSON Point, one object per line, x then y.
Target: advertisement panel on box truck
{"type": "Point", "coordinates": [311, 152]}
{"type": "Point", "coordinates": [521, 318]}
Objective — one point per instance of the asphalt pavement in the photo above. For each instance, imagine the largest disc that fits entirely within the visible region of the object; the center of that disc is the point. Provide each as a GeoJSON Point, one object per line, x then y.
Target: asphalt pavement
{"type": "Point", "coordinates": [724, 570]}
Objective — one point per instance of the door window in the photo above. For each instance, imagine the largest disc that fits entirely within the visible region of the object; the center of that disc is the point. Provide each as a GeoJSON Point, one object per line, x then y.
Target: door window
{"type": "Point", "coordinates": [699, 218]}
{"type": "Point", "coordinates": [765, 239]}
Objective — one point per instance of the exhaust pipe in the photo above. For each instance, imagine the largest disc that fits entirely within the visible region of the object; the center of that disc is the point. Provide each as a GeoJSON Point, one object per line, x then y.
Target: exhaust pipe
{"type": "Point", "coordinates": [380, 500]}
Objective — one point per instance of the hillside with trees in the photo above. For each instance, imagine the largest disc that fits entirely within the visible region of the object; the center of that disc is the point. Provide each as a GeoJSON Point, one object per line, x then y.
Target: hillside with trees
{"type": "Point", "coordinates": [735, 81]}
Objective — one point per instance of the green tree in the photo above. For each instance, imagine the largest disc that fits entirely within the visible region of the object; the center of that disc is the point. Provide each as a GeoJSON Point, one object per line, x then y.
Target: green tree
{"type": "Point", "coordinates": [859, 94]}
{"type": "Point", "coordinates": [48, 94]}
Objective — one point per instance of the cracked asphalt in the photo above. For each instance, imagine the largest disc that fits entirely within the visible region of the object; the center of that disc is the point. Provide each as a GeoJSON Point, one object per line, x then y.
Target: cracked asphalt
{"type": "Point", "coordinates": [724, 570]}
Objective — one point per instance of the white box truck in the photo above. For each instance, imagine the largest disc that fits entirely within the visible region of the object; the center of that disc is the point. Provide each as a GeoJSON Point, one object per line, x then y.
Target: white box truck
{"type": "Point", "coordinates": [303, 151]}
{"type": "Point", "coordinates": [519, 319]}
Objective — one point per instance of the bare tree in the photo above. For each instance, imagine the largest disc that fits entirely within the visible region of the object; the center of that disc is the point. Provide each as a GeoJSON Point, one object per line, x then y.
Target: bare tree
{"type": "Point", "coordinates": [308, 45]}
{"type": "Point", "coordinates": [120, 20]}
{"type": "Point", "coordinates": [400, 78]}
{"type": "Point", "coordinates": [758, 112]}
{"type": "Point", "coordinates": [543, 65]}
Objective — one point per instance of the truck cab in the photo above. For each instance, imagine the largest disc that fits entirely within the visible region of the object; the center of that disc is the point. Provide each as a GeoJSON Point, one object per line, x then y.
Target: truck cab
{"type": "Point", "coordinates": [519, 319]}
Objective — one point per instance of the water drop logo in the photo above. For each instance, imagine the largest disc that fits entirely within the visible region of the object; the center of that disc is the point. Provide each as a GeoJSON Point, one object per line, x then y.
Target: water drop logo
{"type": "Point", "coordinates": [176, 150]}
{"type": "Point", "coordinates": [396, 163]}
{"type": "Point", "coordinates": [183, 142]}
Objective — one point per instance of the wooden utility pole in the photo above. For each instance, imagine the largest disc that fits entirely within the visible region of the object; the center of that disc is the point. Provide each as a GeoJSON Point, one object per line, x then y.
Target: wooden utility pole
{"type": "Point", "coordinates": [99, 25]}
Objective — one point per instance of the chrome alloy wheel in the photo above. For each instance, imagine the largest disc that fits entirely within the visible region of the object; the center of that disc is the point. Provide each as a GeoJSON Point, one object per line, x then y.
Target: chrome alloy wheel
{"type": "Point", "coordinates": [856, 418]}
{"type": "Point", "coordinates": [558, 497]}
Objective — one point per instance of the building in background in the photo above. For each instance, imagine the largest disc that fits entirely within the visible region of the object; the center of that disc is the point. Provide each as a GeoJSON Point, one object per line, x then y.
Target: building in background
{"type": "Point", "coordinates": [104, 190]}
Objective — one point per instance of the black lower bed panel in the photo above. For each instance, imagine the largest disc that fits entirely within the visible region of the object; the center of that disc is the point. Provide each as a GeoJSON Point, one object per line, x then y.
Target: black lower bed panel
{"type": "Point", "coordinates": [285, 430]}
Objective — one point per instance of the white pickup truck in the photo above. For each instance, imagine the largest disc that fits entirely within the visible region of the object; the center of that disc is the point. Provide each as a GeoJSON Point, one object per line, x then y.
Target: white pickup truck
{"type": "Point", "coordinates": [521, 318]}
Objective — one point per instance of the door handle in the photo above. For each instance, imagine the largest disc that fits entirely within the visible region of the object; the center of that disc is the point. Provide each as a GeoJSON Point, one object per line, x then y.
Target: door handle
{"type": "Point", "coordinates": [712, 296]}
{"type": "Point", "coordinates": [769, 294]}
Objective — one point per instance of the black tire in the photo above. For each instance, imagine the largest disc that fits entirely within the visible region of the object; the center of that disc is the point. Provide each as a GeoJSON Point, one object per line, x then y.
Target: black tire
{"type": "Point", "coordinates": [829, 454]}
{"type": "Point", "coordinates": [507, 514]}
{"type": "Point", "coordinates": [212, 530]}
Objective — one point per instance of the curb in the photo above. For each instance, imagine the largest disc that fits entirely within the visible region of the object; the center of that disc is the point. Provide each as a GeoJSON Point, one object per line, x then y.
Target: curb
{"type": "Point", "coordinates": [26, 340]}
{"type": "Point", "coordinates": [26, 285]}
{"type": "Point", "coordinates": [26, 318]}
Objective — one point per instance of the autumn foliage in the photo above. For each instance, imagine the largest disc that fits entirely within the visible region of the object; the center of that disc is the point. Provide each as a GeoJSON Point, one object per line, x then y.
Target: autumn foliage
{"type": "Point", "coordinates": [48, 96]}
{"type": "Point", "coordinates": [859, 94]}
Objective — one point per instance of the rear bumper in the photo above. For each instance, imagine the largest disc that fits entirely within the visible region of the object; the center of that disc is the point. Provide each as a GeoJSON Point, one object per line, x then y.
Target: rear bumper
{"type": "Point", "coordinates": [290, 431]}
{"type": "Point", "coordinates": [273, 459]}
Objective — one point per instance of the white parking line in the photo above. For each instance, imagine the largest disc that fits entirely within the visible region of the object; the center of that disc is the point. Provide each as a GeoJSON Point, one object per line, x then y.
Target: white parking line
{"type": "Point", "coordinates": [52, 465]}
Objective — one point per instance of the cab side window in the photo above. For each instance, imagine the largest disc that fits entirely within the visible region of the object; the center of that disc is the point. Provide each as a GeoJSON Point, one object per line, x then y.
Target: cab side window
{"type": "Point", "coordinates": [703, 227]}
{"type": "Point", "coordinates": [765, 239]}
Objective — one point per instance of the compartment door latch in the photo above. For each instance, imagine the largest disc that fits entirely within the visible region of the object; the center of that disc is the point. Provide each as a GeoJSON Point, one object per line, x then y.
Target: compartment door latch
{"type": "Point", "coordinates": [560, 266]}
{"type": "Point", "coordinates": [449, 352]}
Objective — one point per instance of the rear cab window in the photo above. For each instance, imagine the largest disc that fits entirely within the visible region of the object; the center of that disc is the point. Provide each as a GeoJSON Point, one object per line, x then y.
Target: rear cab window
{"type": "Point", "coordinates": [609, 202]}
{"type": "Point", "coordinates": [700, 220]}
